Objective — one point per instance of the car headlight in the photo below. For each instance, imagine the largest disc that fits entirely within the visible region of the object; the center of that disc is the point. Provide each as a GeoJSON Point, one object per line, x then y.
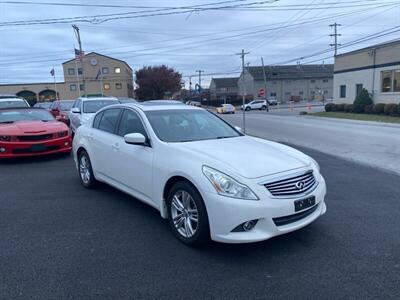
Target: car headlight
{"type": "Point", "coordinates": [5, 138]}
{"type": "Point", "coordinates": [227, 186]}
{"type": "Point", "coordinates": [316, 164]}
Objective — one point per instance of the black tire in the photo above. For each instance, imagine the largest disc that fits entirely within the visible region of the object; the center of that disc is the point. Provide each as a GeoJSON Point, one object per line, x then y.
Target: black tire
{"type": "Point", "coordinates": [263, 107]}
{"type": "Point", "coordinates": [202, 232]}
{"type": "Point", "coordinates": [90, 181]}
{"type": "Point", "coordinates": [247, 108]}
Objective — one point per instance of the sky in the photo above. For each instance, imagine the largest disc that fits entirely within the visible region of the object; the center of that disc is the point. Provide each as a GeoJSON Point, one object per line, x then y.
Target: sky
{"type": "Point", "coordinates": [188, 35]}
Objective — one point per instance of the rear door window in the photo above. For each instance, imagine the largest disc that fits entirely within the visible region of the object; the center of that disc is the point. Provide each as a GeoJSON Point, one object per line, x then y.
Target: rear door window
{"type": "Point", "coordinates": [109, 120]}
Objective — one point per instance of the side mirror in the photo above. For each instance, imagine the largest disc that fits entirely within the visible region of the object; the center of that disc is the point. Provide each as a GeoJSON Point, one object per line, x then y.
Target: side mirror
{"type": "Point", "coordinates": [135, 139]}
{"type": "Point", "coordinates": [75, 110]}
{"type": "Point", "coordinates": [238, 128]}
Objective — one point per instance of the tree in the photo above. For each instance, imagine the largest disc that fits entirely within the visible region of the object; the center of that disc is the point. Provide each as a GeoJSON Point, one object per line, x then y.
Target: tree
{"type": "Point", "coordinates": [362, 100]}
{"type": "Point", "coordinates": [155, 82]}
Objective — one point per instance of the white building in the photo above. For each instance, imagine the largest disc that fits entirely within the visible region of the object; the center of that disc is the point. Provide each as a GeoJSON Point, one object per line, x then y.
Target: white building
{"type": "Point", "coordinates": [376, 68]}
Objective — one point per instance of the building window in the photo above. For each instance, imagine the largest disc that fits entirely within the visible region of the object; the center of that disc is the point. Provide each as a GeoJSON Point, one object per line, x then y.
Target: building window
{"type": "Point", "coordinates": [325, 92]}
{"type": "Point", "coordinates": [104, 70]}
{"type": "Point", "coordinates": [272, 94]}
{"type": "Point", "coordinates": [390, 81]}
{"type": "Point", "coordinates": [312, 92]}
{"type": "Point", "coordinates": [342, 91]}
{"type": "Point", "coordinates": [117, 70]}
{"type": "Point", "coordinates": [118, 85]}
{"type": "Point", "coordinates": [301, 93]}
{"type": "Point", "coordinates": [288, 93]}
{"type": "Point", "coordinates": [81, 86]}
{"type": "Point", "coordinates": [274, 82]}
{"type": "Point", "coordinates": [312, 81]}
{"type": "Point", "coordinates": [72, 87]}
{"type": "Point", "coordinates": [71, 71]}
{"type": "Point", "coordinates": [325, 80]}
{"type": "Point", "coordinates": [288, 81]}
{"type": "Point", "coordinates": [359, 87]}
{"type": "Point", "coordinates": [106, 86]}
{"type": "Point", "coordinates": [80, 71]}
{"type": "Point", "coordinates": [396, 81]}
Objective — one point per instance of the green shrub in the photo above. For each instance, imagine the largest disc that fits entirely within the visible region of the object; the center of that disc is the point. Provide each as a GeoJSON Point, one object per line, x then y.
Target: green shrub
{"type": "Point", "coordinates": [348, 108]}
{"type": "Point", "coordinates": [329, 106]}
{"type": "Point", "coordinates": [390, 109]}
{"type": "Point", "coordinates": [379, 108]}
{"type": "Point", "coordinates": [363, 99]}
{"type": "Point", "coordinates": [340, 107]}
{"type": "Point", "coordinates": [369, 109]}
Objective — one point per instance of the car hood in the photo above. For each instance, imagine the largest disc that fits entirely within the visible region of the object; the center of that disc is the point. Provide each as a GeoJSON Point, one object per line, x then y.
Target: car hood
{"type": "Point", "coordinates": [31, 127]}
{"type": "Point", "coordinates": [249, 157]}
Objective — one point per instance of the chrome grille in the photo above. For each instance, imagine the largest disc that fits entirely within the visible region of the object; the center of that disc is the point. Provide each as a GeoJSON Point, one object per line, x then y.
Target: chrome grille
{"type": "Point", "coordinates": [292, 186]}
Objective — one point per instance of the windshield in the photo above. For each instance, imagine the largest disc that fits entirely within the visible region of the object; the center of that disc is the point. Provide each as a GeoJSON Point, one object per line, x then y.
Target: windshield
{"type": "Point", "coordinates": [45, 105]}
{"type": "Point", "coordinates": [12, 103]}
{"type": "Point", "coordinates": [186, 125]}
{"type": "Point", "coordinates": [10, 116]}
{"type": "Point", "coordinates": [93, 106]}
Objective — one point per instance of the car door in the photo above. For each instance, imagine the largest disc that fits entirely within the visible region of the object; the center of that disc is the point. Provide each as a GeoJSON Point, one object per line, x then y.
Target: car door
{"type": "Point", "coordinates": [104, 143]}
{"type": "Point", "coordinates": [134, 162]}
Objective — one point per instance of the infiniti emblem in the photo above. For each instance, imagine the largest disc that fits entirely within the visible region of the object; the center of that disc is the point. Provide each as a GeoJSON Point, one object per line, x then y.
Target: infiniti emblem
{"type": "Point", "coordinates": [300, 185]}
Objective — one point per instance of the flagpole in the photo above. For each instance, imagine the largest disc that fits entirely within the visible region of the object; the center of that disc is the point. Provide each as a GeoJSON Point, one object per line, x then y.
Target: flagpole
{"type": "Point", "coordinates": [55, 83]}
{"type": "Point", "coordinates": [101, 83]}
{"type": "Point", "coordinates": [77, 75]}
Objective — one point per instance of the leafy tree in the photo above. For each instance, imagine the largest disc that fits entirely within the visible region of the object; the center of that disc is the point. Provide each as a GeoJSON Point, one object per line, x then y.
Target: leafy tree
{"type": "Point", "coordinates": [154, 82]}
{"type": "Point", "coordinates": [362, 100]}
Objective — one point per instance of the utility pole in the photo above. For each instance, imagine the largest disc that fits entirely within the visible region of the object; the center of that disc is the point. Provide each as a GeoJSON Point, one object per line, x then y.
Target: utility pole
{"type": "Point", "coordinates": [190, 87]}
{"type": "Point", "coordinates": [335, 35]}
{"type": "Point", "coordinates": [265, 84]}
{"type": "Point", "coordinates": [200, 71]}
{"type": "Point", "coordinates": [242, 55]}
{"type": "Point", "coordinates": [78, 37]}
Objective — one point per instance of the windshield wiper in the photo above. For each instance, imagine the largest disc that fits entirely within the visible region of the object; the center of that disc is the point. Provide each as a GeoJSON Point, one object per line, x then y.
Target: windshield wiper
{"type": "Point", "coordinates": [224, 137]}
{"type": "Point", "coordinates": [7, 122]}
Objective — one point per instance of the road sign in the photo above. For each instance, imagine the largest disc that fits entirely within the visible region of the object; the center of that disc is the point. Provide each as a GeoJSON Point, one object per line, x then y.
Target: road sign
{"type": "Point", "coordinates": [261, 92]}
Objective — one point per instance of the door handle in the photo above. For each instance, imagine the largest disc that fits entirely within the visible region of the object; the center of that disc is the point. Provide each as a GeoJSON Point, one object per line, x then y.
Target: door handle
{"type": "Point", "coordinates": [115, 146]}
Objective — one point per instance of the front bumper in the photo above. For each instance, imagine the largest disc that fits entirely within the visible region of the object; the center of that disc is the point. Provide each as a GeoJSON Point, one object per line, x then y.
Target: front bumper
{"type": "Point", "coordinates": [37, 148]}
{"type": "Point", "coordinates": [225, 214]}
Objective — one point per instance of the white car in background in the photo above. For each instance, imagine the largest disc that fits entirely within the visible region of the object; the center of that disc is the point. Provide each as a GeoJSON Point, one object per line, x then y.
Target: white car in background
{"type": "Point", "coordinates": [10, 101]}
{"type": "Point", "coordinates": [183, 161]}
{"type": "Point", "coordinates": [255, 104]}
{"type": "Point", "coordinates": [84, 108]}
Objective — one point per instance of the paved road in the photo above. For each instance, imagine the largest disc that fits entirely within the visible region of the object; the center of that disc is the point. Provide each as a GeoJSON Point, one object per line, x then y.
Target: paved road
{"type": "Point", "coordinates": [369, 143]}
{"type": "Point", "coordinates": [61, 241]}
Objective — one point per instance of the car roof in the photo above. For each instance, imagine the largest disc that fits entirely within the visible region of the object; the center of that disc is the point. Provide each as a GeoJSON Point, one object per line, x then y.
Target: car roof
{"type": "Point", "coordinates": [159, 105]}
{"type": "Point", "coordinates": [97, 98]}
{"type": "Point", "coordinates": [11, 99]}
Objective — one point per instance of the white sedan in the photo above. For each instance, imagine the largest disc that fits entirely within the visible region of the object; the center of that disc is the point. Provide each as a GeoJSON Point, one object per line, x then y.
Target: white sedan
{"type": "Point", "coordinates": [203, 175]}
{"type": "Point", "coordinates": [85, 107]}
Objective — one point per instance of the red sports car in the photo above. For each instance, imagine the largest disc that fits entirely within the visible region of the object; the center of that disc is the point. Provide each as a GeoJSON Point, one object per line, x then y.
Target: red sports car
{"type": "Point", "coordinates": [31, 132]}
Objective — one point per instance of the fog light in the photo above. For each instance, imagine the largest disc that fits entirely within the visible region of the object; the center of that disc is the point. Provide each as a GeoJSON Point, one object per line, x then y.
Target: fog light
{"type": "Point", "coordinates": [66, 144]}
{"type": "Point", "coordinates": [2, 150]}
{"type": "Point", "coordinates": [246, 226]}
{"type": "Point", "coordinates": [249, 225]}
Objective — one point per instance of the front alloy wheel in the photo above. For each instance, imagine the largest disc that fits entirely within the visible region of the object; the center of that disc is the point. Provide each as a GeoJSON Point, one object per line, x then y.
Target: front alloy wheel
{"type": "Point", "coordinates": [85, 170]}
{"type": "Point", "coordinates": [187, 214]}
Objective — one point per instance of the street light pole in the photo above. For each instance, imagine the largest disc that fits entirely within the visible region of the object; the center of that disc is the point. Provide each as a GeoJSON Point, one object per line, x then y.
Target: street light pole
{"type": "Point", "coordinates": [78, 37]}
{"type": "Point", "coordinates": [200, 71]}
{"type": "Point", "coordinates": [242, 55]}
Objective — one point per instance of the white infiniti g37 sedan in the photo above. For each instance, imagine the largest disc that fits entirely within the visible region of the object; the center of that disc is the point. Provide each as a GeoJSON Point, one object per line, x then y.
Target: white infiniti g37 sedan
{"type": "Point", "coordinates": [206, 177]}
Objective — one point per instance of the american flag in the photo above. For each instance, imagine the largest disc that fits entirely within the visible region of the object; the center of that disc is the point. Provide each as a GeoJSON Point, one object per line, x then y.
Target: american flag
{"type": "Point", "coordinates": [52, 72]}
{"type": "Point", "coordinates": [79, 54]}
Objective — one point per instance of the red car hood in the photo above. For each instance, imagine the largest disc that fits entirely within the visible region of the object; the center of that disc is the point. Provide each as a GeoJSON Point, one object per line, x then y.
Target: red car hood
{"type": "Point", "coordinates": [32, 127]}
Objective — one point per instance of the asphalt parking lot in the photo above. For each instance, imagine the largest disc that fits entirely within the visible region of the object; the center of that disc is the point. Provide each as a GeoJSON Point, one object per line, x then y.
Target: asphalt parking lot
{"type": "Point", "coordinates": [61, 241]}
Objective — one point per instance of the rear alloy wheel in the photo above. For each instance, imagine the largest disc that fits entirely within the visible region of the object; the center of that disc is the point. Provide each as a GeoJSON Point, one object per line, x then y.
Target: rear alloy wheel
{"type": "Point", "coordinates": [86, 171]}
{"type": "Point", "coordinates": [264, 107]}
{"type": "Point", "coordinates": [187, 214]}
